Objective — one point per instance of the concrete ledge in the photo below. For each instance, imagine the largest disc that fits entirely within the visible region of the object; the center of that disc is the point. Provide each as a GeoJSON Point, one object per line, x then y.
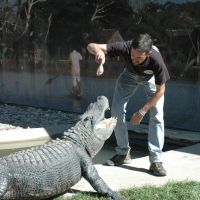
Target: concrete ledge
{"type": "Point", "coordinates": [23, 138]}
{"type": "Point", "coordinates": [20, 138]}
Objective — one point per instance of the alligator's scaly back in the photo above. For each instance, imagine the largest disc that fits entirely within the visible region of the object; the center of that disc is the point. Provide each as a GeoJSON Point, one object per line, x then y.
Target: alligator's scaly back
{"type": "Point", "coordinates": [93, 130]}
{"type": "Point", "coordinates": [51, 169]}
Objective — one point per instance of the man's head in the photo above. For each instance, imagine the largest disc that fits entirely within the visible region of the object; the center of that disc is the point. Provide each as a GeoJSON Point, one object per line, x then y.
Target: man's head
{"type": "Point", "coordinates": [141, 48]}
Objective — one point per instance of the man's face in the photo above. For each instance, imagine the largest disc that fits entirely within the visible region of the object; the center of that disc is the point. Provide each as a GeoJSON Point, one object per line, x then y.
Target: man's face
{"type": "Point", "coordinates": [138, 57]}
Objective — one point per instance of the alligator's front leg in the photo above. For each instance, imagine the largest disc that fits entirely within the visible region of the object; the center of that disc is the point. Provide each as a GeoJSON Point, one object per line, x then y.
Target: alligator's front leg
{"type": "Point", "coordinates": [90, 173]}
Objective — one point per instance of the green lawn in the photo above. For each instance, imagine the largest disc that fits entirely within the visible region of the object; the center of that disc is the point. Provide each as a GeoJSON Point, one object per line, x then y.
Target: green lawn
{"type": "Point", "coordinates": [188, 190]}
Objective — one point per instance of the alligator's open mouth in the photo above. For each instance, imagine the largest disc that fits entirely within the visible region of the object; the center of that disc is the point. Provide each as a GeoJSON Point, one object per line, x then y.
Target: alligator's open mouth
{"type": "Point", "coordinates": [105, 127]}
{"type": "Point", "coordinates": [106, 122]}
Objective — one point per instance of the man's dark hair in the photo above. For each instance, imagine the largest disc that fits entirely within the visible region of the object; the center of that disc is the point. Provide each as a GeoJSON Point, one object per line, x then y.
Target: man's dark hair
{"type": "Point", "coordinates": [142, 42]}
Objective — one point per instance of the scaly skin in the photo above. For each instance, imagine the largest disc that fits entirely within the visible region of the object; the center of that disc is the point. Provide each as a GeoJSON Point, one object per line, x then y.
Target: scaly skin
{"type": "Point", "coordinates": [51, 169]}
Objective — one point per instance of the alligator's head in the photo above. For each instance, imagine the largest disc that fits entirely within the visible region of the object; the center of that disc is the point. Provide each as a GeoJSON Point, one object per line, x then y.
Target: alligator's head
{"type": "Point", "coordinates": [93, 129]}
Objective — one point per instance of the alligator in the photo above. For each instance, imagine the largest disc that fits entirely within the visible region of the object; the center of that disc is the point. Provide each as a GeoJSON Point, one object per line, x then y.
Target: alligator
{"type": "Point", "coordinates": [49, 170]}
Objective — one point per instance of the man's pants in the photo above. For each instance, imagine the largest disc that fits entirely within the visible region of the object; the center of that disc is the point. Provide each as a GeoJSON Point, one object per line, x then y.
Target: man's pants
{"type": "Point", "coordinates": [126, 85]}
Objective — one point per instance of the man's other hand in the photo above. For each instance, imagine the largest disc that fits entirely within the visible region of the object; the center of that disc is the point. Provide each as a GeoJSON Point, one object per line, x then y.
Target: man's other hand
{"type": "Point", "coordinates": [137, 117]}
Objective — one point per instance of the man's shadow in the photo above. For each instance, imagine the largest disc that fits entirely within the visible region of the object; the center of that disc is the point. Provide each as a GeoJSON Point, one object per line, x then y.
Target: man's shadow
{"type": "Point", "coordinates": [132, 168]}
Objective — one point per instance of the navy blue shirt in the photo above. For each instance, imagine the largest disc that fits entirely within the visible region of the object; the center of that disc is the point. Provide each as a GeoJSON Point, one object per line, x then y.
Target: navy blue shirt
{"type": "Point", "coordinates": [153, 65]}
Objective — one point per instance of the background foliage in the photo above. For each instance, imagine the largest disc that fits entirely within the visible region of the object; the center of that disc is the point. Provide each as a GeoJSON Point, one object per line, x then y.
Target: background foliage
{"type": "Point", "coordinates": [59, 26]}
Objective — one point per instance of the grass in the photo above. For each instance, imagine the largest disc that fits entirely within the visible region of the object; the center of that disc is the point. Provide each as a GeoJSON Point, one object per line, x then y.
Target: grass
{"type": "Point", "coordinates": [187, 190]}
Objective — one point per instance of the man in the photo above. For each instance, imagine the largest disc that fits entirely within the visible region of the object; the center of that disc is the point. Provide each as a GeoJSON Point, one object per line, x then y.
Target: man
{"type": "Point", "coordinates": [75, 58]}
{"type": "Point", "coordinates": [143, 66]}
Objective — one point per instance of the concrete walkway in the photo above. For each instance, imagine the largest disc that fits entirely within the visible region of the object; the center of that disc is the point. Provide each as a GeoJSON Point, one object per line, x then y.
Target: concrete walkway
{"type": "Point", "coordinates": [181, 164]}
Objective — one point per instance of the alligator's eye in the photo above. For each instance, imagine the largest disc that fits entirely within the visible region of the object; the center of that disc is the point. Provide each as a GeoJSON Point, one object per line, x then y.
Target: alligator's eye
{"type": "Point", "coordinates": [99, 98]}
{"type": "Point", "coordinates": [86, 119]}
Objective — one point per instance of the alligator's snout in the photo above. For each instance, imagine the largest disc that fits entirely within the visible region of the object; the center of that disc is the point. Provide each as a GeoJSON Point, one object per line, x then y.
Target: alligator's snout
{"type": "Point", "coordinates": [96, 111]}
